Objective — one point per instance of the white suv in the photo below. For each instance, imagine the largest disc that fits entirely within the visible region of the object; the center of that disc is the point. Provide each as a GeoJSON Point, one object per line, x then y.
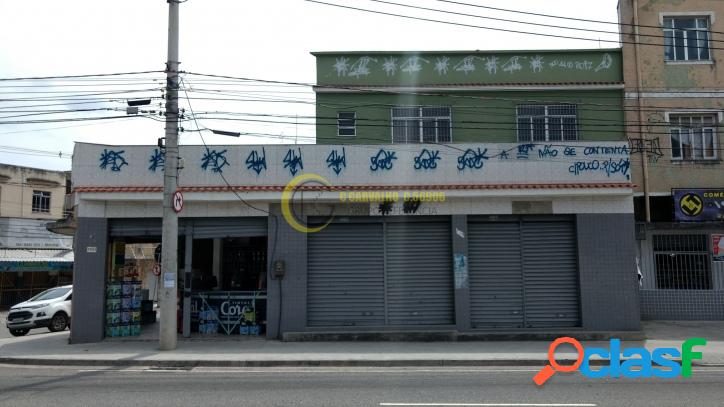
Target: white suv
{"type": "Point", "coordinates": [49, 309]}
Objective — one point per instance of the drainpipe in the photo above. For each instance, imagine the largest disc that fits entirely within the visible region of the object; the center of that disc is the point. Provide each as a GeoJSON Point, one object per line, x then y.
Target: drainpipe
{"type": "Point", "coordinates": [639, 87]}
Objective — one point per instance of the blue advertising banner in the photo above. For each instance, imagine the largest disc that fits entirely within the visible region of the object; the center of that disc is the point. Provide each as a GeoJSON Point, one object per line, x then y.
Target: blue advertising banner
{"type": "Point", "coordinates": [698, 205]}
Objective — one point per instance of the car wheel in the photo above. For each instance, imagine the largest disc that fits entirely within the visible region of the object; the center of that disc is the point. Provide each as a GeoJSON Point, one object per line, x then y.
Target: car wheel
{"type": "Point", "coordinates": [58, 323]}
{"type": "Point", "coordinates": [19, 332]}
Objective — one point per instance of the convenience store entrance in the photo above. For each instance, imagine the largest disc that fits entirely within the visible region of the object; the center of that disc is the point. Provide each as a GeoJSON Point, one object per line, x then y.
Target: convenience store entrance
{"type": "Point", "coordinates": [222, 267]}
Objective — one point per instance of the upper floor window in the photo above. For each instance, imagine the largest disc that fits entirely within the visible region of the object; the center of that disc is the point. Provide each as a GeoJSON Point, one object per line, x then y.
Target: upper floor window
{"type": "Point", "coordinates": [547, 123]}
{"type": "Point", "coordinates": [421, 124]}
{"type": "Point", "coordinates": [693, 137]}
{"type": "Point", "coordinates": [346, 123]}
{"type": "Point", "coordinates": [41, 201]}
{"type": "Point", "coordinates": [686, 39]}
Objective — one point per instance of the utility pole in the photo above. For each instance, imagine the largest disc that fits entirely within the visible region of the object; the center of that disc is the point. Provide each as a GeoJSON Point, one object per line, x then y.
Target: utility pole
{"type": "Point", "coordinates": [169, 238]}
{"type": "Point", "coordinates": [643, 138]}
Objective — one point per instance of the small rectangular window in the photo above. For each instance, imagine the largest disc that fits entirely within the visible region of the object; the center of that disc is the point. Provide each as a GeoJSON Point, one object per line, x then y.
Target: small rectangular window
{"type": "Point", "coordinates": [41, 202]}
{"type": "Point", "coordinates": [346, 123]}
{"type": "Point", "coordinates": [547, 123]}
{"type": "Point", "coordinates": [686, 39]}
{"type": "Point", "coordinates": [693, 137]}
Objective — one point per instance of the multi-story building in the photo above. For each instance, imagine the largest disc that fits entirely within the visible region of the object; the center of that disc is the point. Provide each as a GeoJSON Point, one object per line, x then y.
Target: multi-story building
{"type": "Point", "coordinates": [450, 194]}
{"type": "Point", "coordinates": [32, 258]}
{"type": "Point", "coordinates": [674, 111]}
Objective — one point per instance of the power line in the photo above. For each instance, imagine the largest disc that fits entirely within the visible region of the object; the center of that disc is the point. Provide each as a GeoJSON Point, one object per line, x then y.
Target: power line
{"type": "Point", "coordinates": [513, 21]}
{"type": "Point", "coordinates": [491, 28]}
{"type": "Point", "coordinates": [78, 76]}
{"type": "Point", "coordinates": [555, 16]}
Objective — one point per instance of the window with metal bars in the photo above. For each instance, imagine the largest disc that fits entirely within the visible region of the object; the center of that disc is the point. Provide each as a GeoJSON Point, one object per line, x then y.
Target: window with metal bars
{"type": "Point", "coordinates": [686, 39]}
{"type": "Point", "coordinates": [421, 124]}
{"type": "Point", "coordinates": [682, 262]}
{"type": "Point", "coordinates": [346, 123]}
{"type": "Point", "coordinates": [547, 123]}
{"type": "Point", "coordinates": [41, 201]}
{"type": "Point", "coordinates": [693, 137]}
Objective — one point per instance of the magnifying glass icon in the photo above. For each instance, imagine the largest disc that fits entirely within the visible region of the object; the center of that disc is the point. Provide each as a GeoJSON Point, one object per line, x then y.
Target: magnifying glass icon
{"type": "Point", "coordinates": [553, 366]}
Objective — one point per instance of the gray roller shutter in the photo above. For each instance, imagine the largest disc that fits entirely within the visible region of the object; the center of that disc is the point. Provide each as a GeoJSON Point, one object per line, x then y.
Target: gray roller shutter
{"type": "Point", "coordinates": [345, 277]}
{"type": "Point", "coordinates": [207, 228]}
{"type": "Point", "coordinates": [523, 274]}
{"type": "Point", "coordinates": [496, 281]}
{"type": "Point", "coordinates": [135, 227]}
{"type": "Point", "coordinates": [419, 273]}
{"type": "Point", "coordinates": [551, 274]}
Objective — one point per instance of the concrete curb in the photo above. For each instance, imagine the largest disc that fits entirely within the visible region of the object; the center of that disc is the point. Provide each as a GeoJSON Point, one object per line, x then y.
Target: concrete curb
{"type": "Point", "coordinates": [298, 363]}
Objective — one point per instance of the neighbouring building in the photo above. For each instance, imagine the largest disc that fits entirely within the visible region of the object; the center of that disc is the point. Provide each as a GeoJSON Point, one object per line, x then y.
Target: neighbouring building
{"type": "Point", "coordinates": [674, 95]}
{"type": "Point", "coordinates": [32, 259]}
{"type": "Point", "coordinates": [452, 193]}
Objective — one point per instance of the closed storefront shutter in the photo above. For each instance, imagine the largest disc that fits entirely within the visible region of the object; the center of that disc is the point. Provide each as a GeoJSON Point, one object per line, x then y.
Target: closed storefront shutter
{"type": "Point", "coordinates": [523, 274]}
{"type": "Point", "coordinates": [551, 274]}
{"type": "Point", "coordinates": [496, 282]}
{"type": "Point", "coordinates": [345, 280]}
{"type": "Point", "coordinates": [419, 273]}
{"type": "Point", "coordinates": [134, 227]}
{"type": "Point", "coordinates": [208, 228]}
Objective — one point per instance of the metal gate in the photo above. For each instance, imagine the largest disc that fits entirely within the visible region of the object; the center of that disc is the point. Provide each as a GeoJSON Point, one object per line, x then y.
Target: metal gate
{"type": "Point", "coordinates": [345, 277]}
{"type": "Point", "coordinates": [203, 228]}
{"type": "Point", "coordinates": [419, 273]}
{"type": "Point", "coordinates": [380, 273]}
{"type": "Point", "coordinates": [523, 273]}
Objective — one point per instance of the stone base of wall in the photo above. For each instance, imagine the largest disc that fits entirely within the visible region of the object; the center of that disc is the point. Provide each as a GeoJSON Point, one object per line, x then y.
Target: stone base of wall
{"type": "Point", "coordinates": [682, 305]}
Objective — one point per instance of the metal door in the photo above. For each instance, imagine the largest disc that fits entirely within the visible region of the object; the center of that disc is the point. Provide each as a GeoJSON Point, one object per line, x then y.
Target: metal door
{"type": "Point", "coordinates": [523, 274]}
{"type": "Point", "coordinates": [345, 278]}
{"type": "Point", "coordinates": [495, 273]}
{"type": "Point", "coordinates": [419, 273]}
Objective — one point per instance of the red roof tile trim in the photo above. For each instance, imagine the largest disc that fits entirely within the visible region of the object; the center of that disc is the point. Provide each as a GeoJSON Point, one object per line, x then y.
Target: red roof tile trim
{"type": "Point", "coordinates": [279, 188]}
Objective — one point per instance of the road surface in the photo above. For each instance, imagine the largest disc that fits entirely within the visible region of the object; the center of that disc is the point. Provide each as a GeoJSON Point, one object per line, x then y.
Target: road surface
{"type": "Point", "coordinates": [341, 387]}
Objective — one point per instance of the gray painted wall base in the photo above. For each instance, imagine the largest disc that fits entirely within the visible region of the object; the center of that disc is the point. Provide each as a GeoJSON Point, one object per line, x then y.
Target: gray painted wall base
{"type": "Point", "coordinates": [89, 275]}
{"type": "Point", "coordinates": [682, 305]}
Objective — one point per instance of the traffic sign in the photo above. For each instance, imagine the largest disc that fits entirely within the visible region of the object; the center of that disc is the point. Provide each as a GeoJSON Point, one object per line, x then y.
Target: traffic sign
{"type": "Point", "coordinates": [177, 201]}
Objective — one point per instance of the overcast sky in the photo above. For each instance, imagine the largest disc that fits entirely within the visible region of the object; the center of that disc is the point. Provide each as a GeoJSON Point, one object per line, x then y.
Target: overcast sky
{"type": "Point", "coordinates": [264, 39]}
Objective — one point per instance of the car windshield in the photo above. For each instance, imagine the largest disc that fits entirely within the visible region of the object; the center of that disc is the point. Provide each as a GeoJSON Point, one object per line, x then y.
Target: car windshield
{"type": "Point", "coordinates": [51, 294]}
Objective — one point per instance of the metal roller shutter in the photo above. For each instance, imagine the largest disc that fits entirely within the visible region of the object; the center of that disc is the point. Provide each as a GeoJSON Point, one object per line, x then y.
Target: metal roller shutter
{"type": "Point", "coordinates": [550, 274]}
{"type": "Point", "coordinates": [496, 282]}
{"type": "Point", "coordinates": [345, 277]}
{"type": "Point", "coordinates": [419, 273]}
{"type": "Point", "coordinates": [523, 274]}
{"type": "Point", "coordinates": [208, 228]}
{"type": "Point", "coordinates": [135, 227]}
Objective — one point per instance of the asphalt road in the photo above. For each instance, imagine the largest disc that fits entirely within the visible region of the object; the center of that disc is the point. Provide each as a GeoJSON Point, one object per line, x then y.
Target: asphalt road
{"type": "Point", "coordinates": [341, 387]}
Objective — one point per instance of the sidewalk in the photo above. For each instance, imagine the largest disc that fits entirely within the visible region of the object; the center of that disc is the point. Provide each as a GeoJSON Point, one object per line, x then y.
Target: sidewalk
{"type": "Point", "coordinates": [53, 349]}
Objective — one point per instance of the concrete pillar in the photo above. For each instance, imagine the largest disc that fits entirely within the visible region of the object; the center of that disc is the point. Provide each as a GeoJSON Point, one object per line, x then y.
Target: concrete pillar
{"type": "Point", "coordinates": [216, 267]}
{"type": "Point", "coordinates": [460, 271]}
{"type": "Point", "coordinates": [89, 280]}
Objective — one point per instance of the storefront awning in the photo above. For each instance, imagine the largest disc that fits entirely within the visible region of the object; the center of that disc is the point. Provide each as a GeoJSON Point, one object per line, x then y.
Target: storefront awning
{"type": "Point", "coordinates": [14, 260]}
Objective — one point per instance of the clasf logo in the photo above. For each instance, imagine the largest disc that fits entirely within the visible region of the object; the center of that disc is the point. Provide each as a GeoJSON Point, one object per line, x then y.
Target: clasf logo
{"type": "Point", "coordinates": [639, 363]}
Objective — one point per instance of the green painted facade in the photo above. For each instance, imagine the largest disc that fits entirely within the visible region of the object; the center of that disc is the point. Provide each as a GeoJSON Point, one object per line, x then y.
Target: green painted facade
{"type": "Point", "coordinates": [480, 110]}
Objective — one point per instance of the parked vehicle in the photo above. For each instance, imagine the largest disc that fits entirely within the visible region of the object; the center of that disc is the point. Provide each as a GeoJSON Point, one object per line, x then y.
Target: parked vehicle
{"type": "Point", "coordinates": [49, 309]}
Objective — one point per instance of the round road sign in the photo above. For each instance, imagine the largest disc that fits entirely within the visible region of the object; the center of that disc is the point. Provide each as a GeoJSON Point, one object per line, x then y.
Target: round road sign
{"type": "Point", "coordinates": [177, 201]}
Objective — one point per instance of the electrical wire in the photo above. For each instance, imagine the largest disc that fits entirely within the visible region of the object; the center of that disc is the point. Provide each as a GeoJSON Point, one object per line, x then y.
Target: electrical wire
{"type": "Point", "coordinates": [491, 28]}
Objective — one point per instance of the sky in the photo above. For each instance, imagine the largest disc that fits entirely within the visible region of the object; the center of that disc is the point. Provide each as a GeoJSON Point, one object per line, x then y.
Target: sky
{"type": "Point", "coordinates": [259, 39]}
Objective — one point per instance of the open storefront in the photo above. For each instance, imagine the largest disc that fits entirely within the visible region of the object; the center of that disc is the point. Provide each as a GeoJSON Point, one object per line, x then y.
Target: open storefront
{"type": "Point", "coordinates": [221, 273]}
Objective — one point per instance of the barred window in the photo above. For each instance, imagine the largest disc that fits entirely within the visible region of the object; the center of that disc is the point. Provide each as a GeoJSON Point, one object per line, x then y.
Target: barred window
{"type": "Point", "coordinates": [682, 262]}
{"type": "Point", "coordinates": [346, 123]}
{"type": "Point", "coordinates": [686, 39]}
{"type": "Point", "coordinates": [693, 137]}
{"type": "Point", "coordinates": [421, 124]}
{"type": "Point", "coordinates": [41, 201]}
{"type": "Point", "coordinates": [547, 123]}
